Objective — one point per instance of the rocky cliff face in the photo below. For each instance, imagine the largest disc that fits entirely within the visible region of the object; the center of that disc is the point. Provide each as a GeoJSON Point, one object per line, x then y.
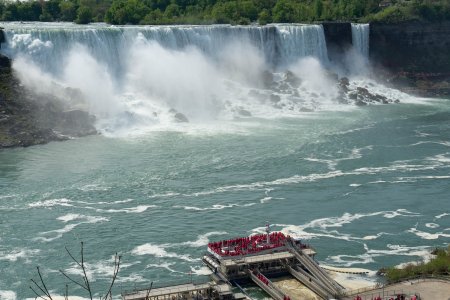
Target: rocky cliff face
{"type": "Point", "coordinates": [28, 119]}
{"type": "Point", "coordinates": [339, 39]}
{"type": "Point", "coordinates": [416, 54]}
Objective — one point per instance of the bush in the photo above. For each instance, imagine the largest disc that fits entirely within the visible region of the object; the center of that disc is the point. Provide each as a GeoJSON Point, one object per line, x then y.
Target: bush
{"type": "Point", "coordinates": [84, 15]}
{"type": "Point", "coordinates": [439, 265]}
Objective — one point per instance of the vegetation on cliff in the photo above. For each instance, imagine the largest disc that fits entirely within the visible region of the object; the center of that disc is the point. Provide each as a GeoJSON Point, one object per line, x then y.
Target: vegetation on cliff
{"type": "Point", "coordinates": [223, 11]}
{"type": "Point", "coordinates": [437, 266]}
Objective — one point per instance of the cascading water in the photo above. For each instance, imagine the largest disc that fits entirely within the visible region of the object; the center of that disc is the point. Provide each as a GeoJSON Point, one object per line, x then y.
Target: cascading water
{"type": "Point", "coordinates": [279, 44]}
{"type": "Point", "coordinates": [360, 38]}
{"type": "Point", "coordinates": [137, 77]}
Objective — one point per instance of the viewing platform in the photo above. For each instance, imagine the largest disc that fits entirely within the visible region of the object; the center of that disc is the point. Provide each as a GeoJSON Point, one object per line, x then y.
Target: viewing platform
{"type": "Point", "coordinates": [254, 259]}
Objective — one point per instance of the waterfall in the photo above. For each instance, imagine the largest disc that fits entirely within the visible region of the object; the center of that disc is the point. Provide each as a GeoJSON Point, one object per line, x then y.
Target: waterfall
{"type": "Point", "coordinates": [360, 38]}
{"type": "Point", "coordinates": [133, 77]}
{"type": "Point", "coordinates": [48, 44]}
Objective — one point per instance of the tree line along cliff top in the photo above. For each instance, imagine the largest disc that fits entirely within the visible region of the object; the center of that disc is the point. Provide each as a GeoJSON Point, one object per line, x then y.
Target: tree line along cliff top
{"type": "Point", "coordinates": [242, 12]}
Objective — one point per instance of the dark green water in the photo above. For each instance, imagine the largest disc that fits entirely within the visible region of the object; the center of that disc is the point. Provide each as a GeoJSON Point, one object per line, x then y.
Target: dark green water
{"type": "Point", "coordinates": [368, 187]}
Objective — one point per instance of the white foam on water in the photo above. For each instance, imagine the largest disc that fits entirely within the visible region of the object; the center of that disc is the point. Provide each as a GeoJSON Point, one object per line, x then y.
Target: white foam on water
{"type": "Point", "coordinates": [202, 240]}
{"type": "Point", "coordinates": [114, 202]}
{"type": "Point", "coordinates": [159, 251]}
{"type": "Point", "coordinates": [374, 237]}
{"type": "Point", "coordinates": [350, 260]}
{"type": "Point", "coordinates": [432, 225]}
{"type": "Point", "coordinates": [442, 215]}
{"type": "Point", "coordinates": [52, 202]}
{"type": "Point", "coordinates": [93, 187]}
{"type": "Point", "coordinates": [401, 250]}
{"type": "Point", "coordinates": [164, 195]}
{"type": "Point", "coordinates": [18, 253]}
{"type": "Point", "coordinates": [51, 235]}
{"type": "Point", "coordinates": [8, 295]}
{"type": "Point", "coordinates": [214, 206]}
{"type": "Point", "coordinates": [135, 210]}
{"type": "Point", "coordinates": [265, 200]}
{"type": "Point", "coordinates": [200, 271]}
{"type": "Point", "coordinates": [401, 212]}
{"type": "Point", "coordinates": [102, 269]}
{"type": "Point", "coordinates": [131, 278]}
{"type": "Point", "coordinates": [165, 265]}
{"type": "Point", "coordinates": [423, 252]}
{"type": "Point", "coordinates": [69, 217]}
{"type": "Point", "coordinates": [428, 235]}
{"type": "Point", "coordinates": [326, 227]}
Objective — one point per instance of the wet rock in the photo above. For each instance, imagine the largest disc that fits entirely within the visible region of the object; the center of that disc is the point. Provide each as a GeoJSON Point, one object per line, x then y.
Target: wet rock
{"type": "Point", "coordinates": [244, 113]}
{"type": "Point", "coordinates": [360, 103]}
{"type": "Point", "coordinates": [275, 98]}
{"type": "Point", "coordinates": [5, 62]}
{"type": "Point", "coordinates": [293, 80]}
{"type": "Point", "coordinates": [76, 123]}
{"type": "Point", "coordinates": [333, 76]}
{"type": "Point", "coordinates": [181, 118]}
{"type": "Point", "coordinates": [2, 37]}
{"type": "Point", "coordinates": [267, 78]}
{"type": "Point", "coordinates": [304, 109]}
{"type": "Point", "coordinates": [27, 118]}
{"type": "Point", "coordinates": [284, 87]}
{"type": "Point", "coordinates": [344, 81]}
{"type": "Point", "coordinates": [362, 91]}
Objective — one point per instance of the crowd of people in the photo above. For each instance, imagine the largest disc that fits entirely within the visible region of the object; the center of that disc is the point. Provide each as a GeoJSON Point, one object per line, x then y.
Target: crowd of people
{"type": "Point", "coordinates": [248, 245]}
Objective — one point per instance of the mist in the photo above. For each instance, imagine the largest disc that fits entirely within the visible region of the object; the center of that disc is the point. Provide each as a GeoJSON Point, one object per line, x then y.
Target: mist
{"type": "Point", "coordinates": [143, 80]}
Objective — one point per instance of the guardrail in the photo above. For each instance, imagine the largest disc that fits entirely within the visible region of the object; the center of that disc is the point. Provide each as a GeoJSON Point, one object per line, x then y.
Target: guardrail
{"type": "Point", "coordinates": [162, 285]}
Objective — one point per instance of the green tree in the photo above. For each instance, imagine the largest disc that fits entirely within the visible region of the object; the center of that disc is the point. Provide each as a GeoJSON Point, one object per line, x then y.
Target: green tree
{"type": "Point", "coordinates": [84, 15]}
{"type": "Point", "coordinates": [126, 12]}
{"type": "Point", "coordinates": [285, 11]}
{"type": "Point", "coordinates": [264, 17]}
{"type": "Point", "coordinates": [172, 11]}
{"type": "Point", "coordinates": [68, 11]}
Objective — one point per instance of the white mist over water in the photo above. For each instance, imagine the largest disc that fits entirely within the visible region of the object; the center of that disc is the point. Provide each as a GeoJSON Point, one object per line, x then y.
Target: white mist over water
{"type": "Point", "coordinates": [134, 79]}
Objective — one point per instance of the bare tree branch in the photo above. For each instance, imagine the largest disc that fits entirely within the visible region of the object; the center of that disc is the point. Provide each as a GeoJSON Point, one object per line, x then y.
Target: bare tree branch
{"type": "Point", "coordinates": [74, 281]}
{"type": "Point", "coordinates": [43, 284]}
{"type": "Point", "coordinates": [84, 285]}
{"type": "Point", "coordinates": [73, 258]}
{"type": "Point", "coordinates": [86, 280]}
{"type": "Point", "coordinates": [116, 271]}
{"type": "Point", "coordinates": [43, 289]}
{"type": "Point", "coordinates": [37, 294]}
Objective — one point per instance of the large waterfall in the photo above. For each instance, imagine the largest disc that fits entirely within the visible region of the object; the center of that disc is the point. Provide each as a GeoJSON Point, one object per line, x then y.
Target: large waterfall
{"type": "Point", "coordinates": [135, 77]}
{"type": "Point", "coordinates": [49, 44]}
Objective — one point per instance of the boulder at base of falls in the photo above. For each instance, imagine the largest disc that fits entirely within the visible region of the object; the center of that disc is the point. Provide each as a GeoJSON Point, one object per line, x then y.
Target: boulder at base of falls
{"type": "Point", "coordinates": [244, 113]}
{"type": "Point", "coordinates": [178, 117]}
{"type": "Point", "coordinates": [293, 80]}
{"type": "Point", "coordinates": [28, 119]}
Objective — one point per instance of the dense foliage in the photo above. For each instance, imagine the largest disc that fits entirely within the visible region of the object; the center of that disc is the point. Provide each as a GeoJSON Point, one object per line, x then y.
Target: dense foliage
{"type": "Point", "coordinates": [438, 266]}
{"type": "Point", "coordinates": [223, 11]}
